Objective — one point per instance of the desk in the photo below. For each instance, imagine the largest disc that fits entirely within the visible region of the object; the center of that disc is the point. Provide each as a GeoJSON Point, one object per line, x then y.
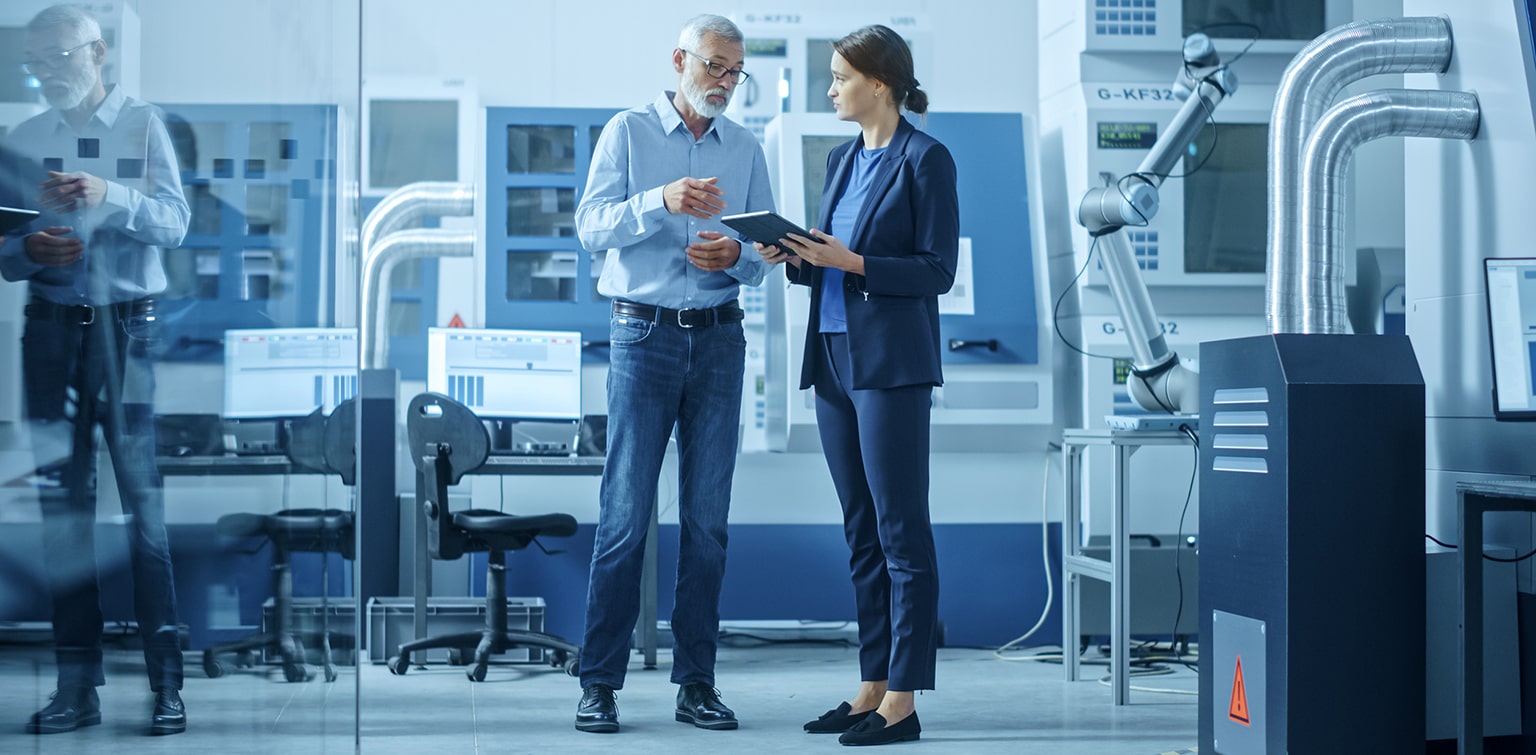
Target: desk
{"type": "Point", "coordinates": [1115, 571]}
{"type": "Point", "coordinates": [543, 465]}
{"type": "Point", "coordinates": [223, 466]}
{"type": "Point", "coordinates": [1473, 499]}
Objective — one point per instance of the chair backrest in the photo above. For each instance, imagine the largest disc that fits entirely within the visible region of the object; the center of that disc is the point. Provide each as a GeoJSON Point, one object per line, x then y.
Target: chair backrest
{"type": "Point", "coordinates": [446, 441]}
{"type": "Point", "coordinates": [305, 444]}
{"type": "Point", "coordinates": [435, 420]}
{"type": "Point", "coordinates": [341, 441]}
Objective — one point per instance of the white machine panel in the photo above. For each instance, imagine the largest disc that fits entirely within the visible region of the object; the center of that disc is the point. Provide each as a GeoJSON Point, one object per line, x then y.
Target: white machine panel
{"type": "Point", "coordinates": [789, 55]}
{"type": "Point", "coordinates": [1128, 26]}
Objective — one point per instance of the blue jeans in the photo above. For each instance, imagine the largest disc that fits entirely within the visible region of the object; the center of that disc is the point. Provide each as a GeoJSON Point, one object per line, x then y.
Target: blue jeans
{"type": "Point", "coordinates": [662, 376]}
{"type": "Point", "coordinates": [106, 366]}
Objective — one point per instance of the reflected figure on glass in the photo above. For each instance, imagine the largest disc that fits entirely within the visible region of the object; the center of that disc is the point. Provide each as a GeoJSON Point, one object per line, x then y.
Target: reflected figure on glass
{"type": "Point", "coordinates": [890, 214]}
{"type": "Point", "coordinates": [100, 167]}
{"type": "Point", "coordinates": [662, 175]}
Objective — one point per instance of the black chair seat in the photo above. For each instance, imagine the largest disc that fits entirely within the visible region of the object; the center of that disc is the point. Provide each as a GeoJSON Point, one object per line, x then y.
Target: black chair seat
{"type": "Point", "coordinates": [325, 530]}
{"type": "Point", "coordinates": [491, 522]}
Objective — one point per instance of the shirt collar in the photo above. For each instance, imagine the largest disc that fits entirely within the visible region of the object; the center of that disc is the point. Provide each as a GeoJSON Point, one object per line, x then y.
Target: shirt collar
{"type": "Point", "coordinates": [671, 120]}
{"type": "Point", "coordinates": [106, 112]}
{"type": "Point", "coordinates": [112, 106]}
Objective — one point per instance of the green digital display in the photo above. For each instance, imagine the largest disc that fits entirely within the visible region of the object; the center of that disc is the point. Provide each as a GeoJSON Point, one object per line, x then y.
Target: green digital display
{"type": "Point", "coordinates": [1127, 135]}
{"type": "Point", "coordinates": [767, 48]}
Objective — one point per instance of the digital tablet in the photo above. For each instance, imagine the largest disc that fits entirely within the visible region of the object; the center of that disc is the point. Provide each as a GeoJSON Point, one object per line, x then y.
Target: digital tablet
{"type": "Point", "coordinates": [12, 218]}
{"type": "Point", "coordinates": [765, 227]}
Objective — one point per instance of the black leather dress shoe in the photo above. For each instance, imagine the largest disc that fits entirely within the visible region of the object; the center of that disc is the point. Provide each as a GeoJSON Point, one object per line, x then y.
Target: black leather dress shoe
{"type": "Point", "coordinates": [837, 720]}
{"type": "Point", "coordinates": [873, 731]}
{"type": "Point", "coordinates": [170, 716]}
{"type": "Point", "coordinates": [598, 711]}
{"type": "Point", "coordinates": [71, 708]}
{"type": "Point", "coordinates": [699, 704]}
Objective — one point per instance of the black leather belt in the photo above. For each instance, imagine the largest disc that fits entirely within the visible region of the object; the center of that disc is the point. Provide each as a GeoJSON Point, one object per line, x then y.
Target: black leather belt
{"type": "Point", "coordinates": [85, 314]}
{"type": "Point", "coordinates": [724, 314]}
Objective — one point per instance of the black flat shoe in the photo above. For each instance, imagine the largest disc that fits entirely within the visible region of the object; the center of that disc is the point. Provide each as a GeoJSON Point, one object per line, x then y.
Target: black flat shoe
{"type": "Point", "coordinates": [598, 711]}
{"type": "Point", "coordinates": [837, 720]}
{"type": "Point", "coordinates": [699, 704]}
{"type": "Point", "coordinates": [71, 708]}
{"type": "Point", "coordinates": [170, 716]}
{"type": "Point", "coordinates": [873, 731]}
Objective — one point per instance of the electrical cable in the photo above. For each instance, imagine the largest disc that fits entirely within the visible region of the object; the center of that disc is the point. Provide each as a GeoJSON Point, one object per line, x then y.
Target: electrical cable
{"type": "Point", "coordinates": [1045, 561]}
{"type": "Point", "coordinates": [1499, 559]}
{"type": "Point", "coordinates": [1178, 571]}
{"type": "Point", "coordinates": [1056, 310]}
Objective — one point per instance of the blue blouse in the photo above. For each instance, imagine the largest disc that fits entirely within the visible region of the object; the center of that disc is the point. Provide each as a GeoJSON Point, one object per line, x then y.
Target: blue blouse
{"type": "Point", "coordinates": [834, 315]}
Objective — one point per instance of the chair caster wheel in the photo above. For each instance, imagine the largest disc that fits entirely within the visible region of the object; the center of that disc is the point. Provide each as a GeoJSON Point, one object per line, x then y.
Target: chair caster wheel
{"type": "Point", "coordinates": [398, 665]}
{"type": "Point", "coordinates": [295, 672]}
{"type": "Point", "coordinates": [213, 668]}
{"type": "Point", "coordinates": [573, 667]}
{"type": "Point", "coordinates": [476, 673]}
{"type": "Point", "coordinates": [330, 674]}
{"type": "Point", "coordinates": [245, 659]}
{"type": "Point", "coordinates": [456, 656]}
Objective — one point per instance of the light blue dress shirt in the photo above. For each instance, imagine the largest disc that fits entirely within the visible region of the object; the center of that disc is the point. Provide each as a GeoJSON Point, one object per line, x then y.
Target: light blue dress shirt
{"type": "Point", "coordinates": [125, 143]}
{"type": "Point", "coordinates": [640, 151]}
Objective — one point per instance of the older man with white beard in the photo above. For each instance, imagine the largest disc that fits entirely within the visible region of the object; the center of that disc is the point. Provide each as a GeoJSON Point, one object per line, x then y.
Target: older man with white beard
{"type": "Point", "coordinates": [100, 167]}
{"type": "Point", "coordinates": [661, 176]}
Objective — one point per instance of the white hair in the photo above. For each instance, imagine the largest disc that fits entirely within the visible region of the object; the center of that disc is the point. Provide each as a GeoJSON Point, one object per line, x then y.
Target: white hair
{"type": "Point", "coordinates": [692, 36]}
{"type": "Point", "coordinates": [75, 17]}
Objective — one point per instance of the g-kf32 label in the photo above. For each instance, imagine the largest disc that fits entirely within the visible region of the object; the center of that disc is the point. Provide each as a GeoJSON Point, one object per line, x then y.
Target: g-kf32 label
{"type": "Point", "coordinates": [1168, 327]}
{"type": "Point", "coordinates": [1137, 94]}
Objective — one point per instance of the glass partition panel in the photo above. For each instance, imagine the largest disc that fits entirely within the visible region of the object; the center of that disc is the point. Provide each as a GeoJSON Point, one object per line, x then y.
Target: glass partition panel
{"type": "Point", "coordinates": [205, 552]}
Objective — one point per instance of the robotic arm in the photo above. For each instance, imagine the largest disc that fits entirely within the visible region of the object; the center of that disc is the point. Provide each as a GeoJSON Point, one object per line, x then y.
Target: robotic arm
{"type": "Point", "coordinates": [1159, 381]}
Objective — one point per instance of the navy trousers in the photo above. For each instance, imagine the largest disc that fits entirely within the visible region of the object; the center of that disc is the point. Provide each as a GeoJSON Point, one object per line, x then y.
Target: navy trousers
{"type": "Point", "coordinates": [876, 443]}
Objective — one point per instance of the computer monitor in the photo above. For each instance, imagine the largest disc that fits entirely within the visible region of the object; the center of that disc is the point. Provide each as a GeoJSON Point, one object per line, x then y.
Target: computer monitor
{"type": "Point", "coordinates": [1511, 294]}
{"type": "Point", "coordinates": [288, 372]}
{"type": "Point", "coordinates": [508, 374]}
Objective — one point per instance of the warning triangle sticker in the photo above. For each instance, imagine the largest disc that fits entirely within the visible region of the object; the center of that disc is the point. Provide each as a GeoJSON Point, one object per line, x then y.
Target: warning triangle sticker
{"type": "Point", "coordinates": [456, 322]}
{"type": "Point", "coordinates": [1238, 709]}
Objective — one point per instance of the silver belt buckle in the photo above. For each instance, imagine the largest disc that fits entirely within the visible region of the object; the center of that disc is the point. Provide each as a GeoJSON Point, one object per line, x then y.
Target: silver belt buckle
{"type": "Point", "coordinates": [680, 322]}
{"type": "Point", "coordinates": [90, 314]}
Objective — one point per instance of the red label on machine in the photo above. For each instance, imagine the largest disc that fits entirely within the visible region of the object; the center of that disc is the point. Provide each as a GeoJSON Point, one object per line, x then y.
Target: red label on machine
{"type": "Point", "coordinates": [456, 322]}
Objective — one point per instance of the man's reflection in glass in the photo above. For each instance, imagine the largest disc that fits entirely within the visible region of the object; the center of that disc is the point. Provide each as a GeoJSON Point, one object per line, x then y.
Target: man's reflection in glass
{"type": "Point", "coordinates": [100, 167]}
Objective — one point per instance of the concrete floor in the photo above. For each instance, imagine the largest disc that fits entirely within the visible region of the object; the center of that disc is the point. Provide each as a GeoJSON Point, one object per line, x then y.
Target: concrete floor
{"type": "Point", "coordinates": [983, 705]}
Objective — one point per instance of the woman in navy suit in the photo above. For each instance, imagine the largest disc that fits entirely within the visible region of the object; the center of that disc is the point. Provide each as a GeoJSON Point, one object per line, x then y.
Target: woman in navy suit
{"type": "Point", "coordinates": [891, 221]}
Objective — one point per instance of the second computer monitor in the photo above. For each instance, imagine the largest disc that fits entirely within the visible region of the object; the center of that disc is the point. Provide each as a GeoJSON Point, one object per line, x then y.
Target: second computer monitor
{"type": "Point", "coordinates": [508, 374]}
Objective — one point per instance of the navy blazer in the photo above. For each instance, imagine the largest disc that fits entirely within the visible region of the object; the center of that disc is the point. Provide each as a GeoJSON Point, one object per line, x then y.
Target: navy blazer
{"type": "Point", "coordinates": [909, 234]}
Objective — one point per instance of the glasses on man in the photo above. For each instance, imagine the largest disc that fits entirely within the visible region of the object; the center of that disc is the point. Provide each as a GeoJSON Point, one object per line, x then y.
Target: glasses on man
{"type": "Point", "coordinates": [717, 71]}
{"type": "Point", "coordinates": [55, 61]}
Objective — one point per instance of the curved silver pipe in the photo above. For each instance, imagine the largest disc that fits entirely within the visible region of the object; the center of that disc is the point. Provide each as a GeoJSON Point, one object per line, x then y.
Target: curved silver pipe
{"type": "Point", "coordinates": [1325, 164]}
{"type": "Point", "coordinates": [1313, 79]}
{"type": "Point", "coordinates": [400, 245]}
{"type": "Point", "coordinates": [414, 201]}
{"type": "Point", "coordinates": [403, 206]}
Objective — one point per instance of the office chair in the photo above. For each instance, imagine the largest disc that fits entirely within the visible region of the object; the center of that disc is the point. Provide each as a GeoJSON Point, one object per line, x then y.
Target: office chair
{"type": "Point", "coordinates": [448, 441]}
{"type": "Point", "coordinates": [314, 444]}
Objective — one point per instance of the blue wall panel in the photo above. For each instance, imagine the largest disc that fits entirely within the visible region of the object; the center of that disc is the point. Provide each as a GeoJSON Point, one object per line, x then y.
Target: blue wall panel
{"type": "Point", "coordinates": [227, 178]}
{"type": "Point", "coordinates": [992, 585]}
